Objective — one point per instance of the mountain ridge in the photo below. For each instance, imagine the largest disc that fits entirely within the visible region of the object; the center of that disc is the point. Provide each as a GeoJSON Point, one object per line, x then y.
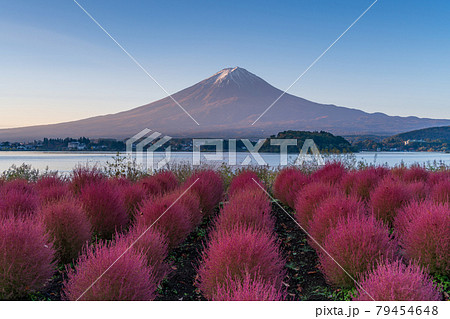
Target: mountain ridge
{"type": "Point", "coordinates": [431, 133]}
{"type": "Point", "coordinates": [225, 105]}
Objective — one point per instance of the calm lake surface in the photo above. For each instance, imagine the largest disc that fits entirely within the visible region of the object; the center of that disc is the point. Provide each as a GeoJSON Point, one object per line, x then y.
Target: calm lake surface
{"type": "Point", "coordinates": [65, 162]}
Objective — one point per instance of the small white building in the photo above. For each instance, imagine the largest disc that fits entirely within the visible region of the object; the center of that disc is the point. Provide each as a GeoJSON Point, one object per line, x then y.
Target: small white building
{"type": "Point", "coordinates": [414, 141]}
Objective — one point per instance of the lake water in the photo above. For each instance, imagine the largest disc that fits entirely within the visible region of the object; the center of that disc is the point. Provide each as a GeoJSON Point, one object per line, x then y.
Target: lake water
{"type": "Point", "coordinates": [65, 162]}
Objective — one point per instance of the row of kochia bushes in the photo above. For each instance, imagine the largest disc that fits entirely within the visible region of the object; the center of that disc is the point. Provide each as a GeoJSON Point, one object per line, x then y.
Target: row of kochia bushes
{"type": "Point", "coordinates": [111, 235]}
{"type": "Point", "coordinates": [388, 230]}
{"type": "Point", "coordinates": [242, 259]}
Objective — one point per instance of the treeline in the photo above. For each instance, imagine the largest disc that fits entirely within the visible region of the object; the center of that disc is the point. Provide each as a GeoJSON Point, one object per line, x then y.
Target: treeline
{"type": "Point", "coordinates": [397, 144]}
{"type": "Point", "coordinates": [59, 144]}
{"type": "Point", "coordinates": [326, 142]}
{"type": "Point", "coordinates": [431, 139]}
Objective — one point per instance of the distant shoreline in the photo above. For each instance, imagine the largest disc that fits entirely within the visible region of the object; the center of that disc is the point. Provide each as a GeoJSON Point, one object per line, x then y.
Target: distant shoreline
{"type": "Point", "coordinates": [207, 151]}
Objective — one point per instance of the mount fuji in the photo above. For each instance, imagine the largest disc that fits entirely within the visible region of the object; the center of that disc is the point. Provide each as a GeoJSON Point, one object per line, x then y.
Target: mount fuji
{"type": "Point", "coordinates": [225, 105]}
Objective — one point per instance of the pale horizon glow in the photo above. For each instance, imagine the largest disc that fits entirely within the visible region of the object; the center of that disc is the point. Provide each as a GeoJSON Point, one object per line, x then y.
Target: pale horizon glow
{"type": "Point", "coordinates": [58, 66]}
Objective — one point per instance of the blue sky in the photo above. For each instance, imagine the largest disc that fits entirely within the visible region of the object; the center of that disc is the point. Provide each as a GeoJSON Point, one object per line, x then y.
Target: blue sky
{"type": "Point", "coordinates": [57, 65]}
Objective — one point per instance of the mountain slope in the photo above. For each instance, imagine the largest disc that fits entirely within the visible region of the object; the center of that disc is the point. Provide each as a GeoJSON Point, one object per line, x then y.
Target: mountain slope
{"type": "Point", "coordinates": [433, 133]}
{"type": "Point", "coordinates": [225, 105]}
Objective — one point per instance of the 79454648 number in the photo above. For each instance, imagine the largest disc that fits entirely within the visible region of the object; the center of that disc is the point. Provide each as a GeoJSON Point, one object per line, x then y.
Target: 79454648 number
{"type": "Point", "coordinates": [405, 310]}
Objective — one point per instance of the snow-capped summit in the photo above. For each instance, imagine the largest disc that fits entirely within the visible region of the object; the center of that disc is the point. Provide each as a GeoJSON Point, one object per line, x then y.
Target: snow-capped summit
{"type": "Point", "coordinates": [237, 76]}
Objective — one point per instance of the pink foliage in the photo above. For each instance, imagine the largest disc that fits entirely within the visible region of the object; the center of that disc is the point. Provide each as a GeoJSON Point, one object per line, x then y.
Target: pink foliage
{"type": "Point", "coordinates": [160, 183]}
{"type": "Point", "coordinates": [208, 184]}
{"type": "Point", "coordinates": [388, 197]}
{"type": "Point", "coordinates": [395, 281]}
{"type": "Point", "coordinates": [133, 195]}
{"type": "Point", "coordinates": [129, 279]}
{"type": "Point", "coordinates": [168, 180]}
{"type": "Point", "coordinates": [51, 188]}
{"type": "Point", "coordinates": [329, 213]}
{"type": "Point", "coordinates": [250, 208]}
{"type": "Point", "coordinates": [441, 191]}
{"type": "Point", "coordinates": [287, 184]}
{"type": "Point", "coordinates": [26, 258]}
{"type": "Point", "coordinates": [68, 227]}
{"type": "Point", "coordinates": [398, 172]}
{"type": "Point", "coordinates": [17, 202]}
{"type": "Point", "coordinates": [20, 185]}
{"type": "Point", "coordinates": [416, 174]}
{"type": "Point", "coordinates": [407, 214]}
{"type": "Point", "coordinates": [419, 190]}
{"type": "Point", "coordinates": [248, 289]}
{"type": "Point", "coordinates": [152, 245]}
{"type": "Point", "coordinates": [243, 181]}
{"type": "Point", "coordinates": [239, 253]}
{"type": "Point", "coordinates": [439, 176]}
{"type": "Point", "coordinates": [308, 199]}
{"type": "Point", "coordinates": [49, 181]}
{"type": "Point", "coordinates": [169, 216]}
{"type": "Point", "coordinates": [120, 181]}
{"type": "Point", "coordinates": [356, 243]}
{"type": "Point", "coordinates": [426, 238]}
{"type": "Point", "coordinates": [362, 182]}
{"type": "Point", "coordinates": [105, 208]}
{"type": "Point", "coordinates": [331, 173]}
{"type": "Point", "coordinates": [83, 176]}
{"type": "Point", "coordinates": [191, 201]}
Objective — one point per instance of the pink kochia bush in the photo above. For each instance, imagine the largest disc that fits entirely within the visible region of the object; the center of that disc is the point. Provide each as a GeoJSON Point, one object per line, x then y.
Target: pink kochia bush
{"type": "Point", "coordinates": [250, 208]}
{"type": "Point", "coordinates": [208, 184]}
{"type": "Point", "coordinates": [361, 182]}
{"type": "Point", "coordinates": [329, 213]}
{"type": "Point", "coordinates": [388, 198]}
{"type": "Point", "coordinates": [439, 176]}
{"type": "Point", "coordinates": [415, 174]}
{"type": "Point", "coordinates": [17, 203]}
{"type": "Point", "coordinates": [287, 184]}
{"type": "Point", "coordinates": [105, 208]}
{"type": "Point", "coordinates": [51, 188]}
{"type": "Point", "coordinates": [160, 183]}
{"type": "Point", "coordinates": [21, 185]}
{"type": "Point", "coordinates": [395, 281]}
{"type": "Point", "coordinates": [26, 258]}
{"type": "Point", "coordinates": [244, 180]}
{"type": "Point", "coordinates": [128, 279]}
{"type": "Point", "coordinates": [425, 236]}
{"type": "Point", "coordinates": [85, 175]}
{"type": "Point", "coordinates": [407, 214]}
{"type": "Point", "coordinates": [191, 202]}
{"type": "Point", "coordinates": [331, 173]}
{"type": "Point", "coordinates": [356, 243]}
{"type": "Point", "coordinates": [441, 191]}
{"type": "Point", "coordinates": [308, 199]}
{"type": "Point", "coordinates": [248, 289]}
{"type": "Point", "coordinates": [133, 195]}
{"type": "Point", "coordinates": [236, 254]}
{"type": "Point", "coordinates": [18, 198]}
{"type": "Point", "coordinates": [67, 226]}
{"type": "Point", "coordinates": [119, 181]}
{"type": "Point", "coordinates": [418, 190]}
{"type": "Point", "coordinates": [169, 216]}
{"type": "Point", "coordinates": [152, 244]}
